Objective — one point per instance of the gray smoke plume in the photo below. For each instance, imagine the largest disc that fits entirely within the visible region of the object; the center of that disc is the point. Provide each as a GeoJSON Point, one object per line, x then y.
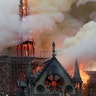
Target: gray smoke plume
{"type": "Point", "coordinates": [49, 21]}
{"type": "Point", "coordinates": [44, 16]}
{"type": "Point", "coordinates": [82, 46]}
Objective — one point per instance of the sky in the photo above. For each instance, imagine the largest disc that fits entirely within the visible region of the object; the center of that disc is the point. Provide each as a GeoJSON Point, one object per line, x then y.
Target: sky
{"type": "Point", "coordinates": [71, 24]}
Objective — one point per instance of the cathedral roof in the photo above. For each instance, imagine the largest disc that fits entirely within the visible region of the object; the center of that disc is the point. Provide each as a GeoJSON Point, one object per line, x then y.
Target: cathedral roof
{"type": "Point", "coordinates": [49, 64]}
{"type": "Point", "coordinates": [52, 65]}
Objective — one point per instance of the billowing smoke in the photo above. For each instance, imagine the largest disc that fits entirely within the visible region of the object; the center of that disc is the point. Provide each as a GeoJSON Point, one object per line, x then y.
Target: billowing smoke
{"type": "Point", "coordinates": [80, 2]}
{"type": "Point", "coordinates": [50, 6]}
{"type": "Point", "coordinates": [92, 16]}
{"type": "Point", "coordinates": [49, 17]}
{"type": "Point", "coordinates": [9, 22]}
{"type": "Point", "coordinates": [82, 46]}
{"type": "Point", "coordinates": [44, 16]}
{"type": "Point", "coordinates": [49, 20]}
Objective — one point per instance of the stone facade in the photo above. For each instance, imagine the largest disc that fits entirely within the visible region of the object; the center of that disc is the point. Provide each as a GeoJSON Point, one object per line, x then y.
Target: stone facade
{"type": "Point", "coordinates": [52, 80]}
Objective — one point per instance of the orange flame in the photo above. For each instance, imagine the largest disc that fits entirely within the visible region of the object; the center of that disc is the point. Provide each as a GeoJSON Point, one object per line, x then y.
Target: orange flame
{"type": "Point", "coordinates": [85, 77]}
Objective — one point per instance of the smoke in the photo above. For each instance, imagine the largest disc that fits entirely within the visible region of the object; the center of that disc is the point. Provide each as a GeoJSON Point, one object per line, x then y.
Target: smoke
{"type": "Point", "coordinates": [49, 20]}
{"type": "Point", "coordinates": [44, 16]}
{"type": "Point", "coordinates": [48, 6]}
{"type": "Point", "coordinates": [9, 22]}
{"type": "Point", "coordinates": [80, 2]}
{"type": "Point", "coordinates": [92, 16]}
{"type": "Point", "coordinates": [82, 46]}
{"type": "Point", "coordinates": [9, 8]}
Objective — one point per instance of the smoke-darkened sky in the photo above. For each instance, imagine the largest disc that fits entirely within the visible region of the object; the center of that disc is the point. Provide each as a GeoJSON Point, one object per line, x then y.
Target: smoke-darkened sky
{"type": "Point", "coordinates": [70, 23]}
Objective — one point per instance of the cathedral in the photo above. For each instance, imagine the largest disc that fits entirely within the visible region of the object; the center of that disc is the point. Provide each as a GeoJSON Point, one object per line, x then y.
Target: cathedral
{"type": "Point", "coordinates": [24, 74]}
{"type": "Point", "coordinates": [52, 80]}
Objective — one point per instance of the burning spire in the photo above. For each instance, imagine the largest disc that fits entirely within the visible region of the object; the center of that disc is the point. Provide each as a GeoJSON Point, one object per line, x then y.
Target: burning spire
{"type": "Point", "coordinates": [25, 48]}
{"type": "Point", "coordinates": [23, 11]}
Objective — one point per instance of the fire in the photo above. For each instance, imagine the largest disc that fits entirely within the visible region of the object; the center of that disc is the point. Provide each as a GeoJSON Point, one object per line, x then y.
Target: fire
{"type": "Point", "coordinates": [85, 77]}
{"type": "Point", "coordinates": [23, 10]}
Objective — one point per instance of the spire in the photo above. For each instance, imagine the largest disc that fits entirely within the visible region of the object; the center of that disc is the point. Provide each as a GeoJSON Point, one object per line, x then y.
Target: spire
{"type": "Point", "coordinates": [23, 9]}
{"type": "Point", "coordinates": [53, 51]}
{"type": "Point", "coordinates": [77, 77]}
